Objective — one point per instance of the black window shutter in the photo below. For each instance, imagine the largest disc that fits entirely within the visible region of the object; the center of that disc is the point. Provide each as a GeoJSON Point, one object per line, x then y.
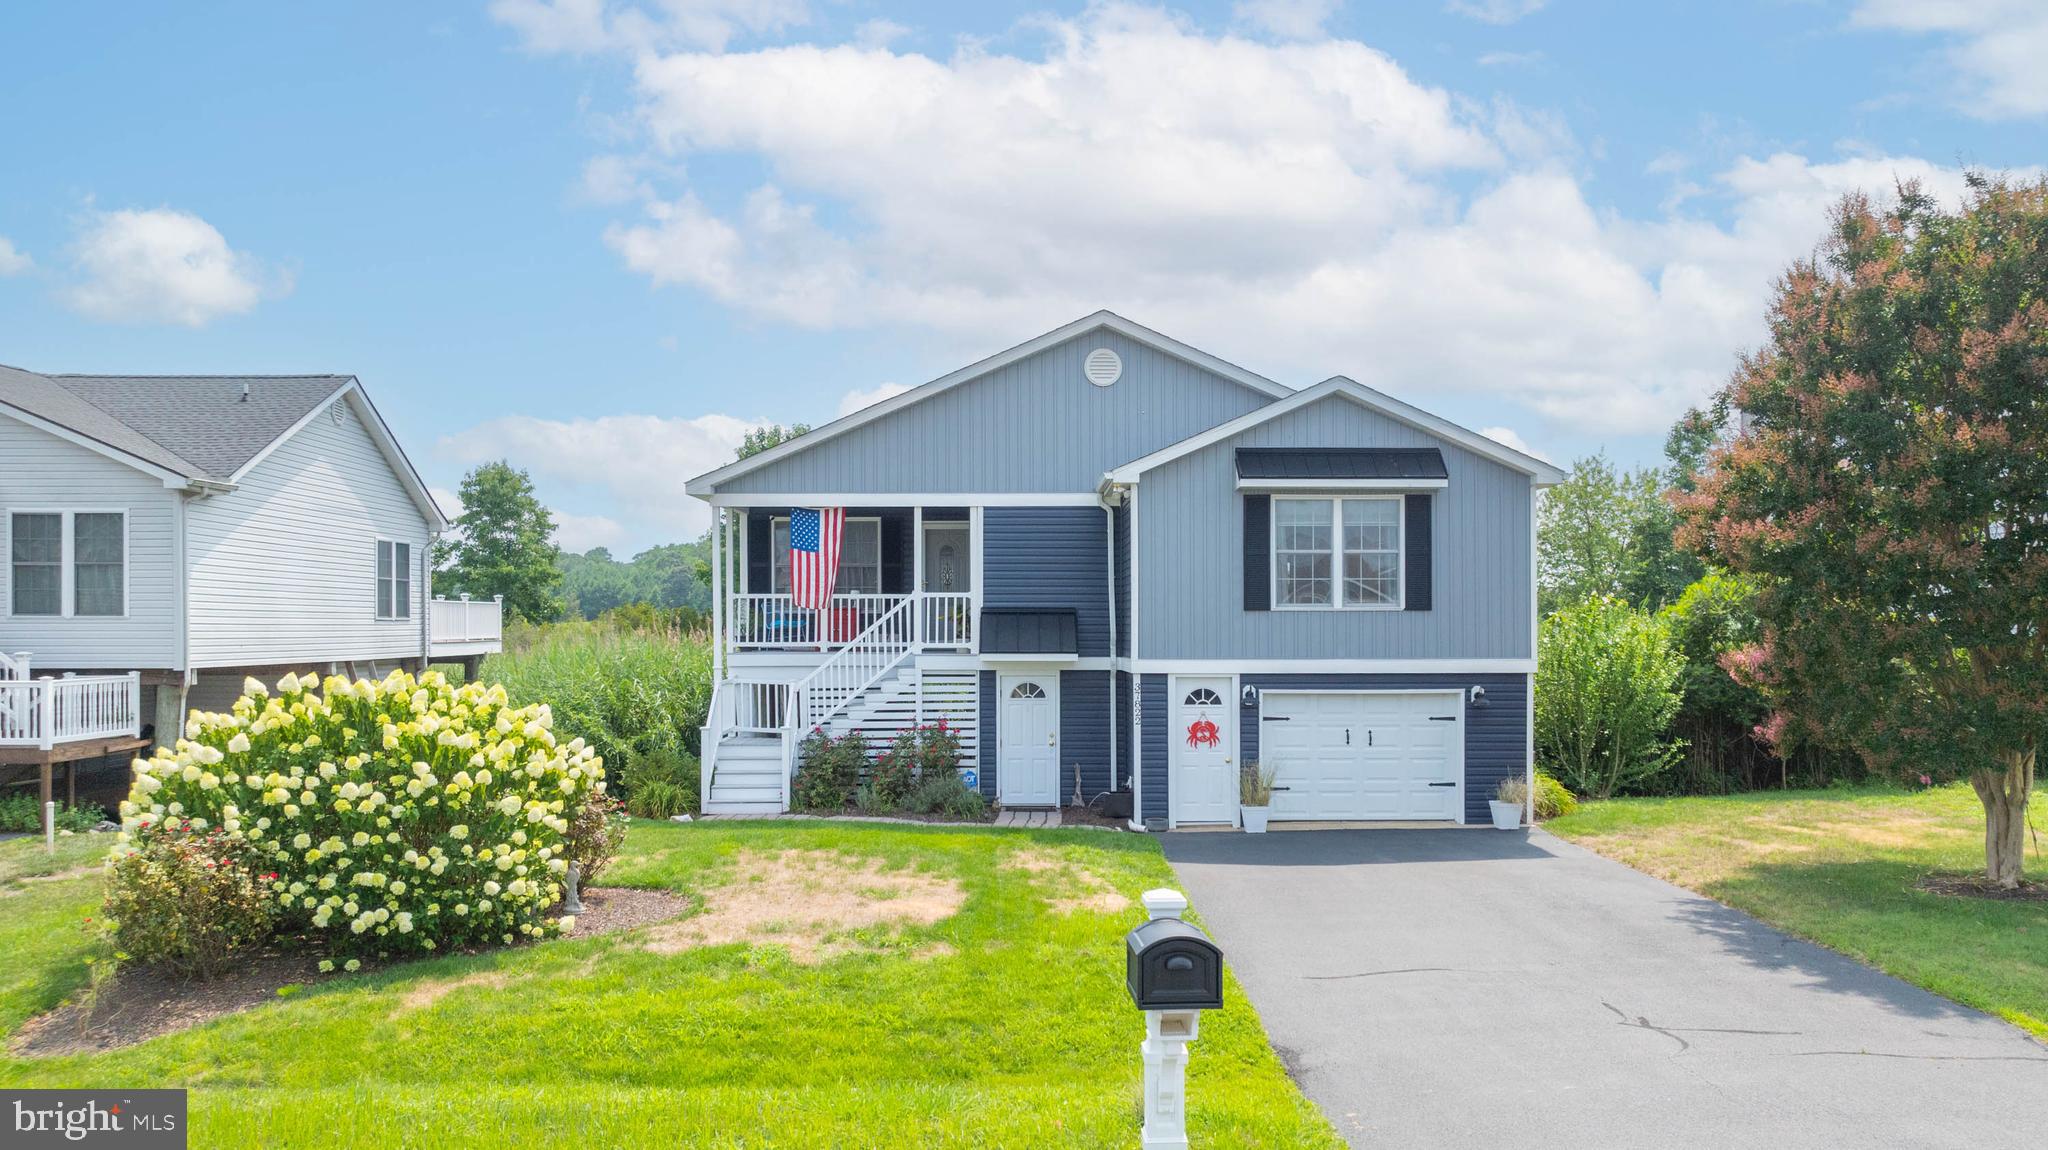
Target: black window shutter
{"type": "Point", "coordinates": [1420, 586]}
{"type": "Point", "coordinates": [896, 559]}
{"type": "Point", "coordinates": [1258, 560]}
{"type": "Point", "coordinates": [759, 551]}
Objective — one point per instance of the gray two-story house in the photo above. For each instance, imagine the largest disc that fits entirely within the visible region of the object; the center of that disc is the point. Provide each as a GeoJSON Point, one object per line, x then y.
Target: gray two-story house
{"type": "Point", "coordinates": [1111, 560]}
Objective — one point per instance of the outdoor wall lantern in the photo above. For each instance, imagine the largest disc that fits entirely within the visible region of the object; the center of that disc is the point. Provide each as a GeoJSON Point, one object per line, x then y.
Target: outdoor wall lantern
{"type": "Point", "coordinates": [1478, 697]}
{"type": "Point", "coordinates": [1250, 695]}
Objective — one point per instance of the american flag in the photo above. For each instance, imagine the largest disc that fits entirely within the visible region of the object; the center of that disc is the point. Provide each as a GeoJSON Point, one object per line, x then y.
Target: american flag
{"type": "Point", "coordinates": [814, 554]}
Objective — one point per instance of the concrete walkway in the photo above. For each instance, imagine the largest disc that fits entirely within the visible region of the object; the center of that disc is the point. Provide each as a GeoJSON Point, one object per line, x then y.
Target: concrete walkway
{"type": "Point", "coordinates": [1475, 988]}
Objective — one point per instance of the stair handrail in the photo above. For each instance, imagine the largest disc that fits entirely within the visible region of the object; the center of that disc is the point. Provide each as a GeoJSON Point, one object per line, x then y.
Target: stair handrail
{"type": "Point", "coordinates": [13, 667]}
{"type": "Point", "coordinates": [852, 669]}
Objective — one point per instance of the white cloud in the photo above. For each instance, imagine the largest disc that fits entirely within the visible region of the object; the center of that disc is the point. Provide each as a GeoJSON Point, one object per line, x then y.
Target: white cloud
{"type": "Point", "coordinates": [1288, 19]}
{"type": "Point", "coordinates": [13, 261]}
{"type": "Point", "coordinates": [1495, 11]}
{"type": "Point", "coordinates": [164, 266]}
{"type": "Point", "coordinates": [449, 502]}
{"type": "Point", "coordinates": [586, 27]}
{"type": "Point", "coordinates": [853, 401]}
{"type": "Point", "coordinates": [1304, 208]}
{"type": "Point", "coordinates": [1509, 437]}
{"type": "Point", "coordinates": [880, 33]}
{"type": "Point", "coordinates": [2000, 45]}
{"type": "Point", "coordinates": [1508, 59]}
{"type": "Point", "coordinates": [579, 533]}
{"type": "Point", "coordinates": [635, 462]}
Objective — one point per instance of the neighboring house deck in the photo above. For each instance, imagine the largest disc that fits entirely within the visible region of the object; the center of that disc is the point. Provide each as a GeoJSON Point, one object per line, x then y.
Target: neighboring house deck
{"type": "Point", "coordinates": [166, 536]}
{"type": "Point", "coordinates": [1114, 562]}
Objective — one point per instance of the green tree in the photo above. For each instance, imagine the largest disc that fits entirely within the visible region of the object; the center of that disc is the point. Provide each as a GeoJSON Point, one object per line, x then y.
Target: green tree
{"type": "Point", "coordinates": [761, 439]}
{"type": "Point", "coordinates": [1889, 493]}
{"type": "Point", "coordinates": [1606, 532]}
{"type": "Point", "coordinates": [1606, 689]}
{"type": "Point", "coordinates": [1716, 714]}
{"type": "Point", "coordinates": [503, 545]}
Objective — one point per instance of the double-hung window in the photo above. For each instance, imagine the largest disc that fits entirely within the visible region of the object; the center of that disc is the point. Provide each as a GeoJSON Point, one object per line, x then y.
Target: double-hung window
{"type": "Point", "coordinates": [68, 563]}
{"type": "Point", "coordinates": [860, 557]}
{"type": "Point", "coordinates": [394, 579]}
{"type": "Point", "coordinates": [1334, 552]}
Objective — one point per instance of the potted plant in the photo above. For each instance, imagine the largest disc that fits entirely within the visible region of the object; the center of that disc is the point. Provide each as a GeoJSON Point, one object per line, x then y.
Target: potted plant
{"type": "Point", "coordinates": [1508, 800]}
{"type": "Point", "coordinates": [1254, 796]}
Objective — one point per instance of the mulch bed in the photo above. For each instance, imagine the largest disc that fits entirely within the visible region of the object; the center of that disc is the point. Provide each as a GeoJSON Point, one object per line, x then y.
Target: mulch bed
{"type": "Point", "coordinates": [1090, 817]}
{"type": "Point", "coordinates": [140, 1003]}
{"type": "Point", "coordinates": [1977, 886]}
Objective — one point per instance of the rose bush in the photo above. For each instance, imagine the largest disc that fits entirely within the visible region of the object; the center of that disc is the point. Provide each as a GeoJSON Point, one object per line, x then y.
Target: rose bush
{"type": "Point", "coordinates": [400, 816]}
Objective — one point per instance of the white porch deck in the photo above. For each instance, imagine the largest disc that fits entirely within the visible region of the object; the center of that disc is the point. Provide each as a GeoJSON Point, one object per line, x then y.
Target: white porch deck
{"type": "Point", "coordinates": [465, 627]}
{"type": "Point", "coordinates": [43, 719]}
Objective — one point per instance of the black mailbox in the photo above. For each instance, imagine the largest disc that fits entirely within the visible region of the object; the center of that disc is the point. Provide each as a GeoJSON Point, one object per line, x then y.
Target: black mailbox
{"type": "Point", "coordinates": [1172, 966]}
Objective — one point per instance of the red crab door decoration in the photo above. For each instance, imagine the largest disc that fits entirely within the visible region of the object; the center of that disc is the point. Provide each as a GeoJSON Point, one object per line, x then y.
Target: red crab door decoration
{"type": "Point", "coordinates": [1203, 733]}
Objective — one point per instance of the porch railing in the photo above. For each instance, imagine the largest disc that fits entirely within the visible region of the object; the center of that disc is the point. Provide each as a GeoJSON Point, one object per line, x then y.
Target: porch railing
{"type": "Point", "coordinates": [44, 712]}
{"type": "Point", "coordinates": [466, 620]}
{"type": "Point", "coordinates": [936, 620]}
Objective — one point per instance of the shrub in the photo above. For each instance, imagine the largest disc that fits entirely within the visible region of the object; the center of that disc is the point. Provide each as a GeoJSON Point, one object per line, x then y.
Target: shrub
{"type": "Point", "coordinates": [185, 899]}
{"type": "Point", "coordinates": [25, 814]}
{"type": "Point", "coordinates": [929, 751]}
{"type": "Point", "coordinates": [1606, 690]}
{"type": "Point", "coordinates": [400, 816]}
{"type": "Point", "coordinates": [596, 832]}
{"type": "Point", "coordinates": [1552, 799]}
{"type": "Point", "coordinates": [660, 783]}
{"type": "Point", "coordinates": [831, 770]}
{"type": "Point", "coordinates": [945, 794]}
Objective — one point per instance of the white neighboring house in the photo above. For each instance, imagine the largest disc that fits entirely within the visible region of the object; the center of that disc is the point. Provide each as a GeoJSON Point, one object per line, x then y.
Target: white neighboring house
{"type": "Point", "coordinates": [166, 536]}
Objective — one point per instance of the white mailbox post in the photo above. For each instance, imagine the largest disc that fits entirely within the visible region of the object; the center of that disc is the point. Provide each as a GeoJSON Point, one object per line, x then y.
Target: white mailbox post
{"type": "Point", "coordinates": [1174, 973]}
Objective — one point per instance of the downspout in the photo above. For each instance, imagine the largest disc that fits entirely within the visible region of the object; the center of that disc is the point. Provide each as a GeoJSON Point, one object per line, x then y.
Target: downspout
{"type": "Point", "coordinates": [1529, 688]}
{"type": "Point", "coordinates": [1137, 682]}
{"type": "Point", "coordinates": [1109, 566]}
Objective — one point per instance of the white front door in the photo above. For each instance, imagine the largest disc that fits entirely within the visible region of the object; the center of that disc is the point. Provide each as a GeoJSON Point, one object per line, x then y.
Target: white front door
{"type": "Point", "coordinates": [1204, 736]}
{"type": "Point", "coordinates": [1027, 740]}
{"type": "Point", "coordinates": [1364, 755]}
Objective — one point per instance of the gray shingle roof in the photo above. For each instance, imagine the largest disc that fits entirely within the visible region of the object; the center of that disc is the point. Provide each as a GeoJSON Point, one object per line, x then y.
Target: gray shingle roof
{"type": "Point", "coordinates": [1029, 632]}
{"type": "Point", "coordinates": [199, 426]}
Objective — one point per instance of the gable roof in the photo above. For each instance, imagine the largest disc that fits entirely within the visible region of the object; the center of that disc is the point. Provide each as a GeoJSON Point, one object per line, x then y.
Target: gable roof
{"type": "Point", "coordinates": [197, 430]}
{"type": "Point", "coordinates": [708, 482]}
{"type": "Point", "coordinates": [1543, 474]}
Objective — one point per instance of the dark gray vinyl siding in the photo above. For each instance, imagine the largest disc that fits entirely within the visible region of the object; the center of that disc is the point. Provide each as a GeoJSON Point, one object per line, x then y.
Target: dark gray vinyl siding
{"type": "Point", "coordinates": [1049, 557]}
{"type": "Point", "coordinates": [1496, 735]}
{"type": "Point", "coordinates": [985, 737]}
{"type": "Point", "coordinates": [1036, 425]}
{"type": "Point", "coordinates": [1153, 714]}
{"type": "Point", "coordinates": [1190, 556]}
{"type": "Point", "coordinates": [898, 547]}
{"type": "Point", "coordinates": [1123, 728]}
{"type": "Point", "coordinates": [1084, 732]}
{"type": "Point", "coordinates": [1121, 517]}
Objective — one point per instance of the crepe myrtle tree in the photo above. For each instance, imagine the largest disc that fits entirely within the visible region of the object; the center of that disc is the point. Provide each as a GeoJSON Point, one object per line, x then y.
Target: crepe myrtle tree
{"type": "Point", "coordinates": [1888, 488]}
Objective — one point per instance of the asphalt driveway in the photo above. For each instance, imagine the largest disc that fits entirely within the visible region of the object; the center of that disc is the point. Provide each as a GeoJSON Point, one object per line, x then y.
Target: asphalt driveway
{"type": "Point", "coordinates": [1488, 989]}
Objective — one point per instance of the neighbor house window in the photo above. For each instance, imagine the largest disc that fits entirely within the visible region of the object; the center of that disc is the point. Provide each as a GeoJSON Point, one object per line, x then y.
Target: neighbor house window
{"type": "Point", "coordinates": [860, 558]}
{"type": "Point", "coordinates": [68, 562]}
{"type": "Point", "coordinates": [394, 579]}
{"type": "Point", "coordinates": [1337, 552]}
{"type": "Point", "coordinates": [36, 541]}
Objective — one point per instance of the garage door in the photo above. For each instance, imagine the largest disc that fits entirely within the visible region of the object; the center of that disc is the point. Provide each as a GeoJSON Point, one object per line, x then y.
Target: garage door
{"type": "Point", "coordinates": [1364, 755]}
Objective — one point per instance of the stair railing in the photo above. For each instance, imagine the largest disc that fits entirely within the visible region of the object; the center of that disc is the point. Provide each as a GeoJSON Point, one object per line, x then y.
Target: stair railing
{"type": "Point", "coordinates": [847, 673]}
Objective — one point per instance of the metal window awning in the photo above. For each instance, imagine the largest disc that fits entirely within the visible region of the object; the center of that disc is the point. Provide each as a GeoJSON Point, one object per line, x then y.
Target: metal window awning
{"type": "Point", "coordinates": [1326, 468]}
{"type": "Point", "coordinates": [1042, 633]}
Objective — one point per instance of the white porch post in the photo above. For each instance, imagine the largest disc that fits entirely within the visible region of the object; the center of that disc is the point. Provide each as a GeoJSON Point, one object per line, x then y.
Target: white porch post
{"type": "Point", "coordinates": [974, 567]}
{"type": "Point", "coordinates": [917, 635]}
{"type": "Point", "coordinates": [717, 592]}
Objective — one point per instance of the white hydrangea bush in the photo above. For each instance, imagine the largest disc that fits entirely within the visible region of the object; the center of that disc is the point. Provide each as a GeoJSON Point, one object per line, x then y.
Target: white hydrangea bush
{"type": "Point", "coordinates": [400, 817]}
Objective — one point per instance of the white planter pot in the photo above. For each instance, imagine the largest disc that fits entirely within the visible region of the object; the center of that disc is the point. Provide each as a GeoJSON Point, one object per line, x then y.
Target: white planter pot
{"type": "Point", "coordinates": [1506, 816]}
{"type": "Point", "coordinates": [1254, 819]}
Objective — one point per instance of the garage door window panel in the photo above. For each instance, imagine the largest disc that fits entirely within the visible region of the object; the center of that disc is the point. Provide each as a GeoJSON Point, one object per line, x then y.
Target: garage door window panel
{"type": "Point", "coordinates": [1337, 553]}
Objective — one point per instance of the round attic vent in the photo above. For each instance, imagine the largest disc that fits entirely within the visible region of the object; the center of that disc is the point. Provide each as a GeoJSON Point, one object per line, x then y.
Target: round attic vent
{"type": "Point", "coordinates": [1103, 367]}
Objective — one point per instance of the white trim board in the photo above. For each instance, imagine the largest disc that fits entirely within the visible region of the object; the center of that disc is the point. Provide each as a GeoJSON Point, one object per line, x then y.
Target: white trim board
{"type": "Point", "coordinates": [1543, 474]}
{"type": "Point", "coordinates": [1330, 666]}
{"type": "Point", "coordinates": [1341, 484]}
{"type": "Point", "coordinates": [707, 483]}
{"type": "Point", "coordinates": [927, 499]}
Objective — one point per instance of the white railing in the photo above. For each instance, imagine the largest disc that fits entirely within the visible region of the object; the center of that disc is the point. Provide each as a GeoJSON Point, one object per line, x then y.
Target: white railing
{"type": "Point", "coordinates": [852, 669]}
{"type": "Point", "coordinates": [13, 666]}
{"type": "Point", "coordinates": [44, 712]}
{"type": "Point", "coordinates": [942, 620]}
{"type": "Point", "coordinates": [745, 707]}
{"type": "Point", "coordinates": [466, 620]}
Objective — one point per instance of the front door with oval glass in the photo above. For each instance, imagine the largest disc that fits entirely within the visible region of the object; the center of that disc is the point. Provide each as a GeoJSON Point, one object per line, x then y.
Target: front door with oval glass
{"type": "Point", "coordinates": [1027, 740]}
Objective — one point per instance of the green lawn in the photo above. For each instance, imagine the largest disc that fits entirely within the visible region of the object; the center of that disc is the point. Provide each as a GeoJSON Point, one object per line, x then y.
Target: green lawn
{"type": "Point", "coordinates": [1005, 1024]}
{"type": "Point", "coordinates": [1839, 867]}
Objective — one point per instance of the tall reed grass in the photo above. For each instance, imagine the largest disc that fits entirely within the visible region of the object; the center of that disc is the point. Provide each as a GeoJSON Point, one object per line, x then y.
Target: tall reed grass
{"type": "Point", "coordinates": [622, 688]}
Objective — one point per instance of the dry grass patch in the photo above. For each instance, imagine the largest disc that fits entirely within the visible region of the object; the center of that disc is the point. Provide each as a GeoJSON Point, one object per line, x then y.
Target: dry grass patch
{"type": "Point", "coordinates": [434, 990]}
{"type": "Point", "coordinates": [1073, 887]}
{"type": "Point", "coordinates": [810, 901]}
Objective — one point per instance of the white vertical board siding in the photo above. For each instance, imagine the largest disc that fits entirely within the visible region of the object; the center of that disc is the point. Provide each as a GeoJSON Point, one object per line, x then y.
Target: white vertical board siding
{"type": "Point", "coordinates": [284, 568]}
{"type": "Point", "coordinates": [39, 471]}
{"type": "Point", "coordinates": [1036, 425]}
{"type": "Point", "coordinates": [1190, 562]}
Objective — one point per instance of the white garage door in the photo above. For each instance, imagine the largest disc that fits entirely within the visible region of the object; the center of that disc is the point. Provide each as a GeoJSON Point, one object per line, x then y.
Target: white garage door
{"type": "Point", "coordinates": [1364, 755]}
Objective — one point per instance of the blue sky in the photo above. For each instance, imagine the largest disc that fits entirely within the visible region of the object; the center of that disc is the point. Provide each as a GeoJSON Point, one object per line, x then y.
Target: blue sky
{"type": "Point", "coordinates": [602, 239]}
